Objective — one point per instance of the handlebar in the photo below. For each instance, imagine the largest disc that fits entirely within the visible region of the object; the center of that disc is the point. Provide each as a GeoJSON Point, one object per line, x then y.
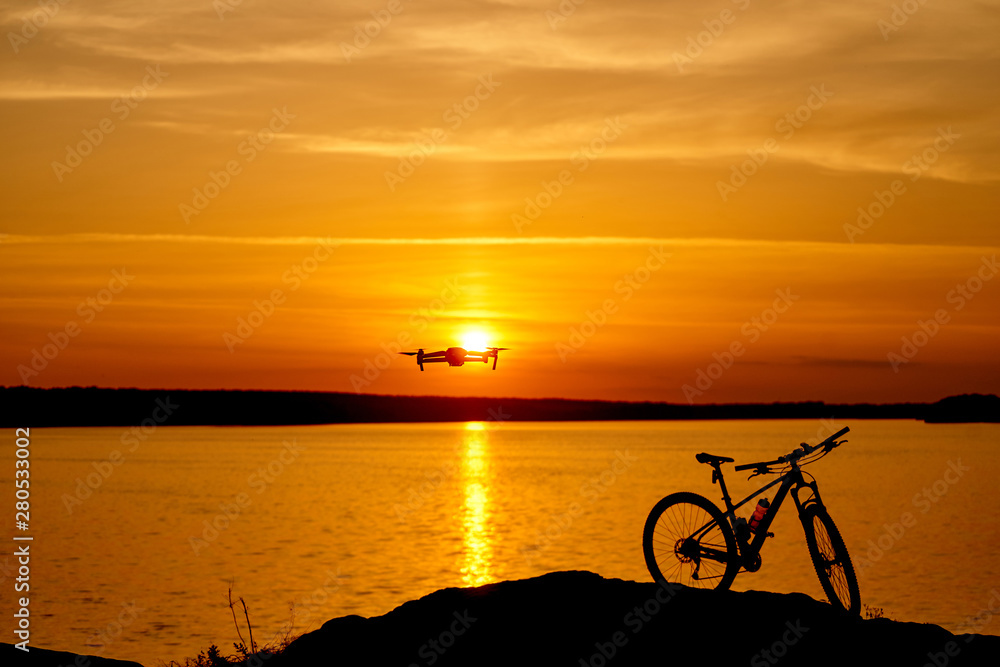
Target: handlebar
{"type": "Point", "coordinates": [795, 455]}
{"type": "Point", "coordinates": [830, 442]}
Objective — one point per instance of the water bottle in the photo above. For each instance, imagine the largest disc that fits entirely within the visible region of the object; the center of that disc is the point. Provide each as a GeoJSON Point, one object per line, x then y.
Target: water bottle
{"type": "Point", "coordinates": [759, 513]}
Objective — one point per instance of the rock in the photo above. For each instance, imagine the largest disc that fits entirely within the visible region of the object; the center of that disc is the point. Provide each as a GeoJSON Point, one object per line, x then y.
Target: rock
{"type": "Point", "coordinates": [39, 657]}
{"type": "Point", "coordinates": [579, 619]}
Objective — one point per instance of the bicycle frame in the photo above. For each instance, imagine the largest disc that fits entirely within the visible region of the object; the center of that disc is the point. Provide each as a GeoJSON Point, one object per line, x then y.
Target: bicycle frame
{"type": "Point", "coordinates": [793, 481]}
{"type": "Point", "coordinates": [692, 540]}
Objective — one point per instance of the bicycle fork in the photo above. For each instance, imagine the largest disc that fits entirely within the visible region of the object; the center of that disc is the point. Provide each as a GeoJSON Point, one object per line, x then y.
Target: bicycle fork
{"type": "Point", "coordinates": [812, 499]}
{"type": "Point", "coordinates": [750, 548]}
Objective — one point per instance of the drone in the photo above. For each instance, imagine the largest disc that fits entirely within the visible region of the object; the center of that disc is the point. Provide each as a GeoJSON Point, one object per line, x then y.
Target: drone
{"type": "Point", "coordinates": [455, 356]}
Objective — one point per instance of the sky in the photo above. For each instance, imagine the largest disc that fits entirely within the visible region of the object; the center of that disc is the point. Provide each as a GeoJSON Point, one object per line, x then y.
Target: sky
{"type": "Point", "coordinates": [685, 202]}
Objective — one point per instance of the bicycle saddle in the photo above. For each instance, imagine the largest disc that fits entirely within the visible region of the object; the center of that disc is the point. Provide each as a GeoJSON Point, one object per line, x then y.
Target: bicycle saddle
{"type": "Point", "coordinates": [712, 460]}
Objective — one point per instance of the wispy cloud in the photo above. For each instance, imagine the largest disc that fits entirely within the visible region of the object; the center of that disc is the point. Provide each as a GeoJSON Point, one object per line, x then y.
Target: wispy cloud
{"type": "Point", "coordinates": [775, 244]}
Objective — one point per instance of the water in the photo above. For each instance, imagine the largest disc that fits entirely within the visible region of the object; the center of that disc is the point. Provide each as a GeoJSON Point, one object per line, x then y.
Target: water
{"type": "Point", "coordinates": [357, 519]}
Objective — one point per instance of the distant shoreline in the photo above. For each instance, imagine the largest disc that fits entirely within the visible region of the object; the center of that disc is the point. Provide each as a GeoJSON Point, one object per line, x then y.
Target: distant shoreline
{"type": "Point", "coordinates": [95, 406]}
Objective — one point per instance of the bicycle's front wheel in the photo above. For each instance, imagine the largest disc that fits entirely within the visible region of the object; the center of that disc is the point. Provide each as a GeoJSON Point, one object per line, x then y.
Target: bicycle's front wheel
{"type": "Point", "coordinates": [831, 560]}
{"type": "Point", "coordinates": [687, 540]}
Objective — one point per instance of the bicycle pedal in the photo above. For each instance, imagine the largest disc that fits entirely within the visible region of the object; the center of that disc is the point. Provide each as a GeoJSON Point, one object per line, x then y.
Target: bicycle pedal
{"type": "Point", "coordinates": [770, 534]}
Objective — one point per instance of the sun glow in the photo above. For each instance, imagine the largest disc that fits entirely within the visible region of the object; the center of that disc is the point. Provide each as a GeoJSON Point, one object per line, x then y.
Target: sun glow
{"type": "Point", "coordinates": [475, 339]}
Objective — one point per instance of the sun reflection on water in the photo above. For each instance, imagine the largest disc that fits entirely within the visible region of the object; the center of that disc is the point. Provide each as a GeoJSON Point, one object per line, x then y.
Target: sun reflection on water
{"type": "Point", "coordinates": [477, 531]}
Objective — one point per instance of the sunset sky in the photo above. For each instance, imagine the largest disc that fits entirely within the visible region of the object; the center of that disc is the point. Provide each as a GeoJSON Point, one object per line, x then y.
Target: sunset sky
{"type": "Point", "coordinates": [725, 201]}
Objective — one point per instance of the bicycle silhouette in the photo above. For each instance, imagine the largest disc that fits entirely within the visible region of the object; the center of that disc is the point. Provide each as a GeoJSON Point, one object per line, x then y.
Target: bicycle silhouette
{"type": "Point", "coordinates": [688, 540]}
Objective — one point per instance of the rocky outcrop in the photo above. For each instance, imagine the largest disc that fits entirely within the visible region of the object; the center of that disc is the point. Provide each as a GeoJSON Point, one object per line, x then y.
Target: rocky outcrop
{"type": "Point", "coordinates": [580, 619]}
{"type": "Point", "coordinates": [39, 657]}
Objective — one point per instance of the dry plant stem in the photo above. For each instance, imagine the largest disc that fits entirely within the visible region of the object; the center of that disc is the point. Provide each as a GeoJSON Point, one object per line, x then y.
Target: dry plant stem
{"type": "Point", "coordinates": [253, 645]}
{"type": "Point", "coordinates": [231, 604]}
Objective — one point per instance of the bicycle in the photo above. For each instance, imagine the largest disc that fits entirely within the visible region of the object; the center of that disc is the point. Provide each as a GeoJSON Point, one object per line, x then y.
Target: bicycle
{"type": "Point", "coordinates": [687, 539]}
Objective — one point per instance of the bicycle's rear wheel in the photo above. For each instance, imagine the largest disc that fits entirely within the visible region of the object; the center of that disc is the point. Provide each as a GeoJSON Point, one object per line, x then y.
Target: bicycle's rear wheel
{"type": "Point", "coordinates": [831, 560]}
{"type": "Point", "coordinates": [687, 540]}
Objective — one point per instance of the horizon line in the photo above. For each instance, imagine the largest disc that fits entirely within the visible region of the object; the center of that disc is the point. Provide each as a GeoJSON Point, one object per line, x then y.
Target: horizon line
{"type": "Point", "coordinates": [513, 398]}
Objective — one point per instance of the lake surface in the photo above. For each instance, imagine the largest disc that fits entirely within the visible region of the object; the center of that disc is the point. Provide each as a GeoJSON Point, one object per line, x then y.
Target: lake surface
{"type": "Point", "coordinates": [314, 522]}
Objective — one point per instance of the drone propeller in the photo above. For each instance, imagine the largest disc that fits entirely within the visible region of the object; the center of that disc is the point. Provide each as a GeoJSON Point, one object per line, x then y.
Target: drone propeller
{"type": "Point", "coordinates": [419, 354]}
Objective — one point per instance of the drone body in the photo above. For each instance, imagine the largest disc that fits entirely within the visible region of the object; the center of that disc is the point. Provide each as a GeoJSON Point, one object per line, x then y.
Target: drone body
{"type": "Point", "coordinates": [455, 356]}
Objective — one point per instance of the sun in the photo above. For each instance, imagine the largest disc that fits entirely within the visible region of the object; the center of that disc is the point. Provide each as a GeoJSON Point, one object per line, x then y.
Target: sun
{"type": "Point", "coordinates": [475, 339]}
